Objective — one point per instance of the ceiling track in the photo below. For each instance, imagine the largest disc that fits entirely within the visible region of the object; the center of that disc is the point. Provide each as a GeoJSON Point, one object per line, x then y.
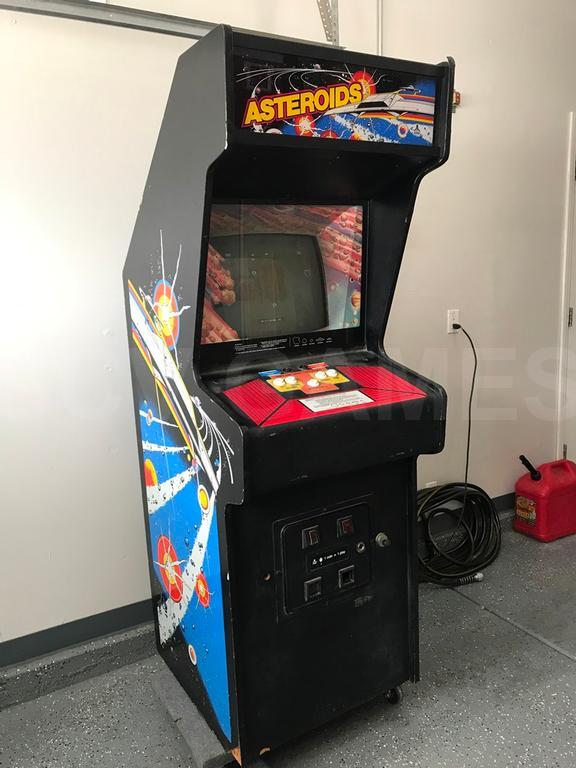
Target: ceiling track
{"type": "Point", "coordinates": [329, 15]}
{"type": "Point", "coordinates": [113, 15]}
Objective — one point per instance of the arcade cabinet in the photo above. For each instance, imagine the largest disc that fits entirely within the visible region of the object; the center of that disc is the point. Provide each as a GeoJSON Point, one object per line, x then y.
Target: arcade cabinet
{"type": "Point", "coordinates": [277, 440]}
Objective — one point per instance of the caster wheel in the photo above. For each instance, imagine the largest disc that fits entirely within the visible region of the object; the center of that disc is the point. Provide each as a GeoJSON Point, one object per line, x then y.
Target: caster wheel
{"type": "Point", "coordinates": [394, 695]}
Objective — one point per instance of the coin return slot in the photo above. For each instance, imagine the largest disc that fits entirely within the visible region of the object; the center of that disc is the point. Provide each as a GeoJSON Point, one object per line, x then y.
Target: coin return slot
{"type": "Point", "coordinates": [346, 577]}
{"type": "Point", "coordinates": [313, 589]}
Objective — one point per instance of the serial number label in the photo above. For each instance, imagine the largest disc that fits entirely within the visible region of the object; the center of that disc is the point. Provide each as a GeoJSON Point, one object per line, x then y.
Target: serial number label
{"type": "Point", "coordinates": [335, 401]}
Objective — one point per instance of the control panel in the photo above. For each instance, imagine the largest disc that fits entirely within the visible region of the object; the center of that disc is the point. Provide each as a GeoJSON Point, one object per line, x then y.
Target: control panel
{"type": "Point", "coordinates": [325, 556]}
{"type": "Point", "coordinates": [312, 379]}
{"type": "Point", "coordinates": [316, 389]}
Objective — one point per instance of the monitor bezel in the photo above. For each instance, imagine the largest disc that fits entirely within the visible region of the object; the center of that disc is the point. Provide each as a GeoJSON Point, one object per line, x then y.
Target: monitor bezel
{"type": "Point", "coordinates": [226, 355]}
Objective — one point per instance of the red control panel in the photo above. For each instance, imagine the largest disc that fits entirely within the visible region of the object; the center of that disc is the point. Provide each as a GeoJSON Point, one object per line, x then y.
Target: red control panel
{"type": "Point", "coordinates": [318, 389]}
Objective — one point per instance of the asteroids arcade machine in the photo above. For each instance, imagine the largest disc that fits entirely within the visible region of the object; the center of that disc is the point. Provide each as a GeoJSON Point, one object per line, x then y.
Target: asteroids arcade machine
{"type": "Point", "coordinates": [278, 442]}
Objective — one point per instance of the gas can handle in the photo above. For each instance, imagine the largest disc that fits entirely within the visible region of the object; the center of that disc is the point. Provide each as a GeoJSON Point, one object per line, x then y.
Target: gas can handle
{"type": "Point", "coordinates": [534, 473]}
{"type": "Point", "coordinates": [565, 466]}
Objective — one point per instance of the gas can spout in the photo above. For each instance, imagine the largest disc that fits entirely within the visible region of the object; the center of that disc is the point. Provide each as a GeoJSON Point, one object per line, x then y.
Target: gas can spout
{"type": "Point", "coordinates": [534, 473]}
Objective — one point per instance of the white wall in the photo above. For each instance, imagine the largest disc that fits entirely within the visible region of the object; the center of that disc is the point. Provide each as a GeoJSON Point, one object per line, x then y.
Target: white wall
{"type": "Point", "coordinates": [81, 107]}
{"type": "Point", "coordinates": [487, 231]}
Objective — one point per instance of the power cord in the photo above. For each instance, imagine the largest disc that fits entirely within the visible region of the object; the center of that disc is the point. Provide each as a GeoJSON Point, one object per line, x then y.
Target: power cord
{"type": "Point", "coordinates": [476, 536]}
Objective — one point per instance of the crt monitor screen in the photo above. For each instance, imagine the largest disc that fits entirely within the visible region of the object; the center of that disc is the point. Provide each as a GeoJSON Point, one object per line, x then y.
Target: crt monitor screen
{"type": "Point", "coordinates": [276, 270]}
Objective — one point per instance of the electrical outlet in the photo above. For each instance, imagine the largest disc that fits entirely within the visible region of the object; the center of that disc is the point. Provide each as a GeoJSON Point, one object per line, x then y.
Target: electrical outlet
{"type": "Point", "coordinates": [452, 317]}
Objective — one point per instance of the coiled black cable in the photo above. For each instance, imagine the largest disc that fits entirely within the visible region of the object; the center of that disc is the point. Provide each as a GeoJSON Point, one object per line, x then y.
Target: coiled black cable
{"type": "Point", "coordinates": [475, 539]}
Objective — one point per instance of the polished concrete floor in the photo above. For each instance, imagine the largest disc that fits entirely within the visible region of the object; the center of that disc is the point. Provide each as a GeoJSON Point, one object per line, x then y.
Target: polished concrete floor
{"type": "Point", "coordinates": [498, 690]}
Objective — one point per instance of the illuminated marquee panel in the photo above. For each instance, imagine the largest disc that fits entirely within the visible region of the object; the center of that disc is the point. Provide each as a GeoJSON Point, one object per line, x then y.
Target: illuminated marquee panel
{"type": "Point", "coordinates": [321, 99]}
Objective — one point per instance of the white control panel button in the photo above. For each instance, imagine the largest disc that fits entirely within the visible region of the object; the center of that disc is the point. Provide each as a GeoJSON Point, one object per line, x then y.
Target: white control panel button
{"type": "Point", "coordinates": [313, 383]}
{"type": "Point", "coordinates": [291, 380]}
{"type": "Point", "coordinates": [278, 382]}
{"type": "Point", "coordinates": [320, 375]}
{"type": "Point", "coordinates": [332, 372]}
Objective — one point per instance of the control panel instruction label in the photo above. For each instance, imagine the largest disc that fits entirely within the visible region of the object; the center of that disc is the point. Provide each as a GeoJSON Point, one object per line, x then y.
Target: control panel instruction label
{"type": "Point", "coordinates": [335, 401]}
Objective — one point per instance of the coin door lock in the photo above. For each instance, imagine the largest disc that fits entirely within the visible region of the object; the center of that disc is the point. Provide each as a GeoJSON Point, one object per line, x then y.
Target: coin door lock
{"type": "Point", "coordinates": [382, 540]}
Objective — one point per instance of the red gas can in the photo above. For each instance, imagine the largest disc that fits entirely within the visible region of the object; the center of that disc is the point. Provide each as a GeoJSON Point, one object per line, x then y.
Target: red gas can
{"type": "Point", "coordinates": [546, 500]}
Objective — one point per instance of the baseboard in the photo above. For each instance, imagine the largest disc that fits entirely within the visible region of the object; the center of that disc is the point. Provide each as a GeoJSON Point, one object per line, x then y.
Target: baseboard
{"type": "Point", "coordinates": [504, 503]}
{"type": "Point", "coordinates": [55, 658]}
{"type": "Point", "coordinates": [73, 632]}
{"type": "Point", "coordinates": [46, 674]}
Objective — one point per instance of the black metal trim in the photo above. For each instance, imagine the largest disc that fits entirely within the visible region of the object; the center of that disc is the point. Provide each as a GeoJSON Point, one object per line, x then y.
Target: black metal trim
{"type": "Point", "coordinates": [247, 41]}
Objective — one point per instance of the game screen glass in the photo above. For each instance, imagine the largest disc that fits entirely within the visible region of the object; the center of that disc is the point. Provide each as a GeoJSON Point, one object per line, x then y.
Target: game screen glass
{"type": "Point", "coordinates": [276, 270]}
